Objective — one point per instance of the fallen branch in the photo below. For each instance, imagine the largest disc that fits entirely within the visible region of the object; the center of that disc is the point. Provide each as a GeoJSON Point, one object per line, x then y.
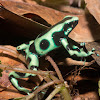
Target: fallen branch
{"type": "Point", "coordinates": [55, 67]}
{"type": "Point", "coordinates": [4, 67]}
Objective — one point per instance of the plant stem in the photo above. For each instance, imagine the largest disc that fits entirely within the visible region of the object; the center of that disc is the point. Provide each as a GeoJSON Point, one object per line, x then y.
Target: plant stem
{"type": "Point", "coordinates": [55, 67]}
{"type": "Point", "coordinates": [65, 94]}
{"type": "Point", "coordinates": [55, 91]}
{"type": "Point", "coordinates": [41, 88]}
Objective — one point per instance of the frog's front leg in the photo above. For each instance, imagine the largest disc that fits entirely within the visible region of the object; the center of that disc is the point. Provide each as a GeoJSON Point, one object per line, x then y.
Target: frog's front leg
{"type": "Point", "coordinates": [33, 64]}
{"type": "Point", "coordinates": [80, 53]}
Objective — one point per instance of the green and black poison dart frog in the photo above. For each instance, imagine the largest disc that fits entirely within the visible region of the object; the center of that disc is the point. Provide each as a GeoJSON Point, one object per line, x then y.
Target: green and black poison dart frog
{"type": "Point", "coordinates": [51, 39]}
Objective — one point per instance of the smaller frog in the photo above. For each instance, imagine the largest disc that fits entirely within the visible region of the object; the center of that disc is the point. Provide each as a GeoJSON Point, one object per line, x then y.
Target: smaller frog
{"type": "Point", "coordinates": [53, 38]}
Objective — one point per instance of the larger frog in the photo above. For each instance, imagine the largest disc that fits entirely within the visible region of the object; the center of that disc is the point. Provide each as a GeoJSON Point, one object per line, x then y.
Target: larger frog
{"type": "Point", "coordinates": [51, 39]}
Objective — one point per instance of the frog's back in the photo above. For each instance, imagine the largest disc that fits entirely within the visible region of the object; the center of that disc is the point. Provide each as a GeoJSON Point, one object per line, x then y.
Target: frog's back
{"type": "Point", "coordinates": [44, 44]}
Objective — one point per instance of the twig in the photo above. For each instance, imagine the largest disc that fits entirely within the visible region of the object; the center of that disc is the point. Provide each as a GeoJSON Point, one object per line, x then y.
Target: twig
{"type": "Point", "coordinates": [53, 77]}
{"type": "Point", "coordinates": [7, 49]}
{"type": "Point", "coordinates": [41, 88]}
{"type": "Point", "coordinates": [4, 67]}
{"type": "Point", "coordinates": [55, 67]}
{"type": "Point", "coordinates": [55, 91]}
{"type": "Point", "coordinates": [64, 91]}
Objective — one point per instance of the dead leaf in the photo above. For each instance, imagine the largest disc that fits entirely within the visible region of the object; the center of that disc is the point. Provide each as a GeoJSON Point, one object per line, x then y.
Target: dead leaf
{"type": "Point", "coordinates": [96, 46]}
{"type": "Point", "coordinates": [86, 31]}
{"type": "Point", "coordinates": [87, 96]}
{"type": "Point", "coordinates": [48, 14]}
{"type": "Point", "coordinates": [4, 81]}
{"type": "Point", "coordinates": [94, 8]}
{"type": "Point", "coordinates": [72, 10]}
{"type": "Point", "coordinates": [8, 58]}
{"type": "Point", "coordinates": [26, 24]}
{"type": "Point", "coordinates": [7, 91]}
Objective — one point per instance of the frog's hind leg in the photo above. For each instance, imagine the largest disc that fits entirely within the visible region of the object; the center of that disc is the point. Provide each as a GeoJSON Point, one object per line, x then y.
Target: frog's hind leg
{"type": "Point", "coordinates": [33, 64]}
{"type": "Point", "coordinates": [12, 77]}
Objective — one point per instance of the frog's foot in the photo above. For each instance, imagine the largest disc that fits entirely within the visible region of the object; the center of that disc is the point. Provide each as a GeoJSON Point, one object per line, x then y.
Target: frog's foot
{"type": "Point", "coordinates": [90, 53]}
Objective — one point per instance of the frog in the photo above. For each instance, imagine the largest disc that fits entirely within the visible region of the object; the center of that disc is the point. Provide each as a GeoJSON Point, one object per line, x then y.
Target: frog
{"type": "Point", "coordinates": [51, 39]}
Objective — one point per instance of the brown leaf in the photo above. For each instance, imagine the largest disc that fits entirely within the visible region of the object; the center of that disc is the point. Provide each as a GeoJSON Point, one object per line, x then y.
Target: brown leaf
{"type": "Point", "coordinates": [86, 31]}
{"type": "Point", "coordinates": [95, 45]}
{"type": "Point", "coordinates": [8, 58]}
{"type": "Point", "coordinates": [7, 91]}
{"type": "Point", "coordinates": [94, 8]}
{"type": "Point", "coordinates": [87, 96]}
{"type": "Point", "coordinates": [25, 27]}
{"type": "Point", "coordinates": [21, 21]}
{"type": "Point", "coordinates": [4, 81]}
{"type": "Point", "coordinates": [50, 15]}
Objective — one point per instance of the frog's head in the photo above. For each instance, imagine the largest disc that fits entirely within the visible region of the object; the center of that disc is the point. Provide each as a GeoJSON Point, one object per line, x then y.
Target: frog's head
{"type": "Point", "coordinates": [69, 24]}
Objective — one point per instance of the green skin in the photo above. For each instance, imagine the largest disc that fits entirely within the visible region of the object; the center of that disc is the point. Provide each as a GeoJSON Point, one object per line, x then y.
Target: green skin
{"type": "Point", "coordinates": [44, 43]}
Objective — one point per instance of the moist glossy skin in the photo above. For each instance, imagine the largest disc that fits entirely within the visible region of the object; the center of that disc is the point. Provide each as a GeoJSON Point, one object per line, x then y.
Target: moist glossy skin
{"type": "Point", "coordinates": [51, 39]}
